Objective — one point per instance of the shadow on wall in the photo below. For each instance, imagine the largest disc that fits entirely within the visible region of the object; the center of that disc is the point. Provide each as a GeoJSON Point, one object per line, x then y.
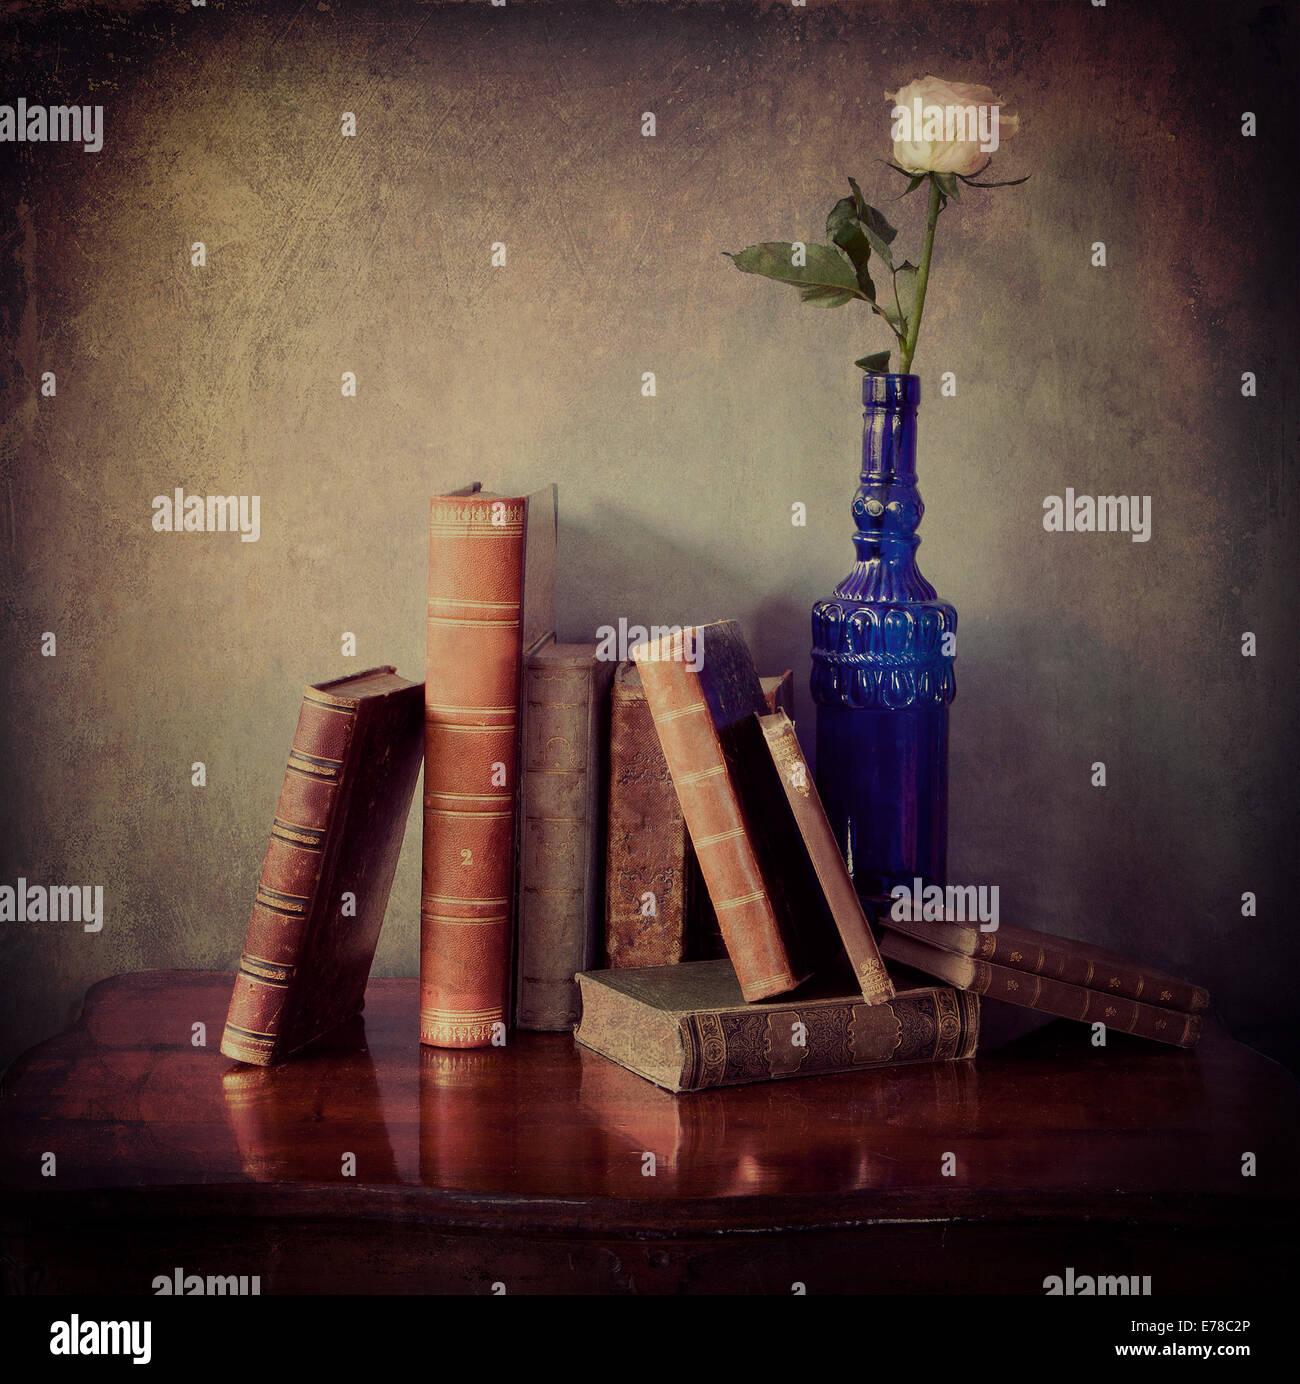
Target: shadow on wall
{"type": "Point", "coordinates": [606, 562]}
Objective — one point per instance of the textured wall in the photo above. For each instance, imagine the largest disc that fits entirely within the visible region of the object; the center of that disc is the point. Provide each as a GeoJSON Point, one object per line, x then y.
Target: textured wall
{"type": "Point", "coordinates": [522, 124]}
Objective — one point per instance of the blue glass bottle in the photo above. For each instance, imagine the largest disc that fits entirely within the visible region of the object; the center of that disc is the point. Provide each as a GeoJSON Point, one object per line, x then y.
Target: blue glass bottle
{"type": "Point", "coordinates": [882, 668]}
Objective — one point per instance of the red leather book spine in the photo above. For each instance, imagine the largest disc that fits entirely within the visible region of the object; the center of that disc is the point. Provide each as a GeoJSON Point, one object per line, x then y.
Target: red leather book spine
{"type": "Point", "coordinates": [285, 897]}
{"type": "Point", "coordinates": [472, 684]}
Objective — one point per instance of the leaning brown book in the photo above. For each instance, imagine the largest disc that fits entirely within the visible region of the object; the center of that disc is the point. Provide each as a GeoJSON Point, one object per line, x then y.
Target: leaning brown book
{"type": "Point", "coordinates": [329, 865]}
{"type": "Point", "coordinates": [657, 908]}
{"type": "Point", "coordinates": [794, 779]}
{"type": "Point", "coordinates": [704, 694]}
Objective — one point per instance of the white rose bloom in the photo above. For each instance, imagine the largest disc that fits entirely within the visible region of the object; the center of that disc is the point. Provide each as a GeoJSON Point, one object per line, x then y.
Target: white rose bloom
{"type": "Point", "coordinates": [947, 127]}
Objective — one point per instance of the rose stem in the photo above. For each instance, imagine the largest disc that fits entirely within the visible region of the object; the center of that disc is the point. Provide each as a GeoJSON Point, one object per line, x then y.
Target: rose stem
{"type": "Point", "coordinates": [922, 277]}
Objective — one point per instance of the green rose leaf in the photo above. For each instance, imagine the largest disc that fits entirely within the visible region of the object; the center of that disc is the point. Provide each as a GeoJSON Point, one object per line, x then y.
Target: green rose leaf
{"type": "Point", "coordinates": [878, 244]}
{"type": "Point", "coordinates": [862, 223]}
{"type": "Point", "coordinates": [877, 364]}
{"type": "Point", "coordinates": [859, 201]}
{"type": "Point", "coordinates": [824, 278]}
{"type": "Point", "coordinates": [1015, 182]}
{"type": "Point", "coordinates": [845, 231]}
{"type": "Point", "coordinates": [903, 288]}
{"type": "Point", "coordinates": [872, 219]}
{"type": "Point", "coordinates": [948, 185]}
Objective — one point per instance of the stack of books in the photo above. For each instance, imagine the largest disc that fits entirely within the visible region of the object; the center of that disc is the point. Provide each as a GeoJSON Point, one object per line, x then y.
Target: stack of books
{"type": "Point", "coordinates": [1035, 970]}
{"type": "Point", "coordinates": [631, 850]}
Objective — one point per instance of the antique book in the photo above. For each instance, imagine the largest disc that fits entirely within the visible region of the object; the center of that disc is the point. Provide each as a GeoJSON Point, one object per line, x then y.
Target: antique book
{"type": "Point", "coordinates": [657, 907]}
{"type": "Point", "coordinates": [704, 696]}
{"type": "Point", "coordinates": [566, 703]}
{"type": "Point", "coordinates": [1076, 963]}
{"type": "Point", "coordinates": [794, 779]}
{"type": "Point", "coordinates": [1031, 991]}
{"type": "Point", "coordinates": [329, 866]}
{"type": "Point", "coordinates": [687, 1027]}
{"type": "Point", "coordinates": [491, 603]}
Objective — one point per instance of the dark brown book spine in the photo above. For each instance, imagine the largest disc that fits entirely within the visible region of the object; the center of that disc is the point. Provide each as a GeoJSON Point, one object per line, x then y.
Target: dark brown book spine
{"type": "Point", "coordinates": [1046, 995]}
{"type": "Point", "coordinates": [727, 1048]}
{"type": "Point", "coordinates": [329, 865]}
{"type": "Point", "coordinates": [1093, 972]}
{"type": "Point", "coordinates": [646, 870]}
{"type": "Point", "coordinates": [566, 690]}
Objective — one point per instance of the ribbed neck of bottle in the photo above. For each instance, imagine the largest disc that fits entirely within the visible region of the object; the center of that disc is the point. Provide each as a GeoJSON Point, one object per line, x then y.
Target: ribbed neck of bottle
{"type": "Point", "coordinates": [889, 404]}
{"type": "Point", "coordinates": [887, 507]}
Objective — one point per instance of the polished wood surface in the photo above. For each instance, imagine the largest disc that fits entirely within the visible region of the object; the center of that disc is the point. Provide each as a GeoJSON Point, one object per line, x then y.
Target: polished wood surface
{"type": "Point", "coordinates": [526, 1165]}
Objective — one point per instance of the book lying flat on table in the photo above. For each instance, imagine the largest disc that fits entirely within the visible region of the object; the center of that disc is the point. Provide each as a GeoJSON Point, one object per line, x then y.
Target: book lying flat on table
{"type": "Point", "coordinates": [687, 1027]}
{"type": "Point", "coordinates": [1031, 991]}
{"type": "Point", "coordinates": [764, 859]}
{"type": "Point", "coordinates": [329, 865]}
{"type": "Point", "coordinates": [1061, 958]}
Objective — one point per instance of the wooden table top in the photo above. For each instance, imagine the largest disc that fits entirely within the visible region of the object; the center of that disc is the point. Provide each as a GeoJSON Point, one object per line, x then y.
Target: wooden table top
{"type": "Point", "coordinates": [545, 1134]}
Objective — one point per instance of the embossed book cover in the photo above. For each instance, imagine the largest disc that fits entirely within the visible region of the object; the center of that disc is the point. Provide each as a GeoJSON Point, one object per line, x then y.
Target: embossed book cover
{"type": "Point", "coordinates": [688, 1026]}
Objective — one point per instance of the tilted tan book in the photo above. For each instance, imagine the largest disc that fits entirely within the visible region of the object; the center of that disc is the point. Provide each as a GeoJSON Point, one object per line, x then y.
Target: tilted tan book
{"type": "Point", "coordinates": [704, 694]}
{"type": "Point", "coordinates": [790, 770]}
